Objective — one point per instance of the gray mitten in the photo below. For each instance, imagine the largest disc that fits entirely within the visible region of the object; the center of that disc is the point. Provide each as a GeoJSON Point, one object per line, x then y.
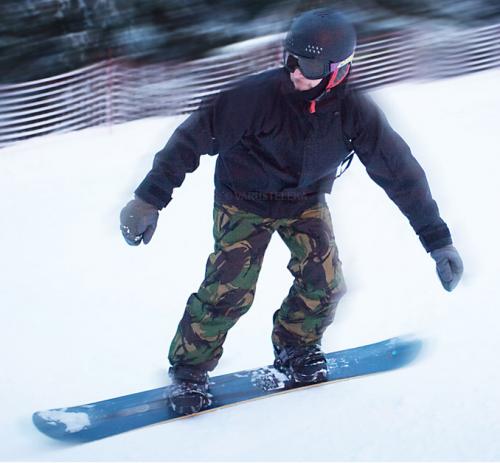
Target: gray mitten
{"type": "Point", "coordinates": [138, 221]}
{"type": "Point", "coordinates": [449, 266]}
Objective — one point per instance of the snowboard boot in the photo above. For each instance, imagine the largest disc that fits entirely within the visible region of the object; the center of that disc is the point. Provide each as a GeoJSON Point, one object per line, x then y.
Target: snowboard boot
{"type": "Point", "coordinates": [189, 390]}
{"type": "Point", "coordinates": [302, 364]}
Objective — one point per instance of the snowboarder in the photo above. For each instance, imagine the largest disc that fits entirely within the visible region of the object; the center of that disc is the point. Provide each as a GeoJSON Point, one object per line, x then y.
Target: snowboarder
{"type": "Point", "coordinates": [281, 136]}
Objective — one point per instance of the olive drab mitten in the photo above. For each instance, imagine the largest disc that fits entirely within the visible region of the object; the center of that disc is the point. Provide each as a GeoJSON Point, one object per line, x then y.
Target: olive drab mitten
{"type": "Point", "coordinates": [449, 266]}
{"type": "Point", "coordinates": [138, 221]}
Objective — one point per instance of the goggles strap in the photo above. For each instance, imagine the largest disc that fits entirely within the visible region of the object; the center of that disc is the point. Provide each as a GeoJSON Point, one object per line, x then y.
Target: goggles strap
{"type": "Point", "coordinates": [331, 82]}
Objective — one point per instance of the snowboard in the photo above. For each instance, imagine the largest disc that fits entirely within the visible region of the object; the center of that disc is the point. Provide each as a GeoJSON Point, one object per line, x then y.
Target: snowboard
{"type": "Point", "coordinates": [97, 420]}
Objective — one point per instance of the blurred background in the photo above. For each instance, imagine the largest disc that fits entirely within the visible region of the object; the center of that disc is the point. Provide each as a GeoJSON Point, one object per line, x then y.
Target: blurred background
{"type": "Point", "coordinates": [40, 38]}
{"type": "Point", "coordinates": [71, 64]}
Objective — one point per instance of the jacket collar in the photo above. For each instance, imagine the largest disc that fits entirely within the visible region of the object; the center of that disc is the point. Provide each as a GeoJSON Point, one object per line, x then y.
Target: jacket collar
{"type": "Point", "coordinates": [324, 102]}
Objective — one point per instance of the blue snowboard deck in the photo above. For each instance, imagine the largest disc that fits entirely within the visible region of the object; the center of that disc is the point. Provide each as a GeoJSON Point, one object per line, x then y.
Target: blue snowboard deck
{"type": "Point", "coordinates": [97, 420]}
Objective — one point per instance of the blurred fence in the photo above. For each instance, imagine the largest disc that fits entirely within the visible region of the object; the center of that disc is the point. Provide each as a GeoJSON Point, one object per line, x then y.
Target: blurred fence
{"type": "Point", "coordinates": [116, 91]}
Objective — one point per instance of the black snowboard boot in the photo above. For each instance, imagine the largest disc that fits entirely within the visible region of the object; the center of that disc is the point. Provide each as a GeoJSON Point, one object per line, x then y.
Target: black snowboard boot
{"type": "Point", "coordinates": [302, 364]}
{"type": "Point", "coordinates": [189, 390]}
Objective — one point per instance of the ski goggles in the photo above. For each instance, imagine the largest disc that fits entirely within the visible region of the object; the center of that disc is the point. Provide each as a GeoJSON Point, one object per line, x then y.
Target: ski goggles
{"type": "Point", "coordinates": [312, 68]}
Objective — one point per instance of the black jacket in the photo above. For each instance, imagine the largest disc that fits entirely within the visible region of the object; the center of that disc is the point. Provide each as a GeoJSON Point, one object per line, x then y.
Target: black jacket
{"type": "Point", "coordinates": [276, 158]}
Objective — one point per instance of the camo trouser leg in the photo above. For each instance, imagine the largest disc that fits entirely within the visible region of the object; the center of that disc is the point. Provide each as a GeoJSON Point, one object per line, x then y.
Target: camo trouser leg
{"type": "Point", "coordinates": [227, 291]}
{"type": "Point", "coordinates": [318, 282]}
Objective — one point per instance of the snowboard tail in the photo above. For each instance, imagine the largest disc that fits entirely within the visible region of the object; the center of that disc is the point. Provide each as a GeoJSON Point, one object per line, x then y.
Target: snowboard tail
{"type": "Point", "coordinates": [97, 420]}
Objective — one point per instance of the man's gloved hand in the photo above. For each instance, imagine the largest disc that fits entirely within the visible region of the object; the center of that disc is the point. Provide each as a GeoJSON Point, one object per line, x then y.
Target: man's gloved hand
{"type": "Point", "coordinates": [138, 221]}
{"type": "Point", "coordinates": [449, 266]}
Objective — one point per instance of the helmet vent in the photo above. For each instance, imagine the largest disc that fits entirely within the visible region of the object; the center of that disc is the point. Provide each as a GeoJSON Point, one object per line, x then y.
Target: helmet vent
{"type": "Point", "coordinates": [314, 49]}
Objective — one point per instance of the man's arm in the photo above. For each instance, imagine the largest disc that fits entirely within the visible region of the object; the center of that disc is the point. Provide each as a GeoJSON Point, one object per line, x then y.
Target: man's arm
{"type": "Point", "coordinates": [389, 162]}
{"type": "Point", "coordinates": [217, 123]}
{"type": "Point", "coordinates": [194, 137]}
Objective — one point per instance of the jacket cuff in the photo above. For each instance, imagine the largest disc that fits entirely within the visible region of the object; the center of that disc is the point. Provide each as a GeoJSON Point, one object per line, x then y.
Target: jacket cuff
{"type": "Point", "coordinates": [153, 195]}
{"type": "Point", "coordinates": [435, 238]}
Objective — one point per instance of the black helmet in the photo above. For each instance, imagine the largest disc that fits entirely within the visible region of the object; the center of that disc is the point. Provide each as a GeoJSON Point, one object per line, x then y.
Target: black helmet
{"type": "Point", "coordinates": [319, 39]}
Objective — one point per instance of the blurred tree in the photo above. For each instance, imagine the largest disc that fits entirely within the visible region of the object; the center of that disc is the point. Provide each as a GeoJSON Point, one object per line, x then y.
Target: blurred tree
{"type": "Point", "coordinates": [40, 38]}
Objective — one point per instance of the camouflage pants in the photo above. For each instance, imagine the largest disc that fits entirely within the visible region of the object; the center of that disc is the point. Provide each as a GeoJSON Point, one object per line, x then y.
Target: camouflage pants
{"type": "Point", "coordinates": [228, 290]}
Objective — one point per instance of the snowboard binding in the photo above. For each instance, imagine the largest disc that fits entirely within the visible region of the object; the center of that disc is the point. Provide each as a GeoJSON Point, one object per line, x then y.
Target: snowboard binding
{"type": "Point", "coordinates": [189, 391]}
{"type": "Point", "coordinates": [302, 364]}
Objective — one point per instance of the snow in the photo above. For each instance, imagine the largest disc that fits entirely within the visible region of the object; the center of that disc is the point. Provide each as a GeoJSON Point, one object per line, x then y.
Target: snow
{"type": "Point", "coordinates": [268, 379]}
{"type": "Point", "coordinates": [85, 317]}
{"type": "Point", "coordinates": [74, 421]}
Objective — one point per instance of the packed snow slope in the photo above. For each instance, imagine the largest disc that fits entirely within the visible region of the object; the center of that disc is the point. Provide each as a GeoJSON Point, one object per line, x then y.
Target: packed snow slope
{"type": "Point", "coordinates": [85, 317]}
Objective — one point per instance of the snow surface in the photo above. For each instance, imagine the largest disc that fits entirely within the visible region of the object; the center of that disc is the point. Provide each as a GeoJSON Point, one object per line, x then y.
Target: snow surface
{"type": "Point", "coordinates": [85, 317]}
